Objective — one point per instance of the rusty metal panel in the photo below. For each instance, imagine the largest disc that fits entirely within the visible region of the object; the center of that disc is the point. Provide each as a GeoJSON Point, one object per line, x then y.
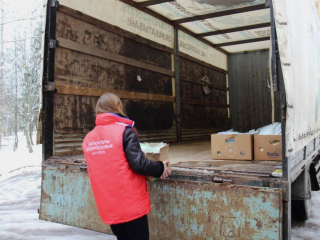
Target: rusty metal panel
{"type": "Point", "coordinates": [180, 209]}
{"type": "Point", "coordinates": [190, 210]}
{"type": "Point", "coordinates": [66, 198]}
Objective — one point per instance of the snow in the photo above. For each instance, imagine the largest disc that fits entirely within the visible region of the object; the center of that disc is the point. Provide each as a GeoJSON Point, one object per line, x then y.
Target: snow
{"type": "Point", "coordinates": [309, 229]}
{"type": "Point", "coordinates": [12, 161]}
{"type": "Point", "coordinates": [20, 186]}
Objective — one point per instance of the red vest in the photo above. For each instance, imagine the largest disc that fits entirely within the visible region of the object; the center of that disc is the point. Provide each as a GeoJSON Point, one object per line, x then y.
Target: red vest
{"type": "Point", "coordinates": [121, 195]}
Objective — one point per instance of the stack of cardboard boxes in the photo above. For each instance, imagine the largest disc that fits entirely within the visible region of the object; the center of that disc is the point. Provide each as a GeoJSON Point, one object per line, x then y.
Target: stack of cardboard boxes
{"type": "Point", "coordinates": [246, 147]}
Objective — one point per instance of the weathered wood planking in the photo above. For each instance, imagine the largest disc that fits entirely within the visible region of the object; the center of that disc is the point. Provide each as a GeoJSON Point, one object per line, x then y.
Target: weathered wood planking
{"type": "Point", "coordinates": [201, 134]}
{"type": "Point", "coordinates": [193, 116]}
{"type": "Point", "coordinates": [79, 69]}
{"type": "Point", "coordinates": [191, 91]}
{"type": "Point", "coordinates": [97, 92]}
{"type": "Point", "coordinates": [193, 59]}
{"type": "Point", "coordinates": [111, 28]}
{"type": "Point", "coordinates": [91, 60]}
{"type": "Point", "coordinates": [218, 117]}
{"type": "Point", "coordinates": [202, 117]}
{"type": "Point", "coordinates": [250, 99]}
{"type": "Point", "coordinates": [150, 116]}
{"type": "Point", "coordinates": [91, 32]}
{"type": "Point", "coordinates": [203, 103]}
{"type": "Point", "coordinates": [71, 45]}
{"type": "Point", "coordinates": [202, 114]}
{"type": "Point", "coordinates": [217, 97]}
{"type": "Point", "coordinates": [193, 72]}
{"type": "Point", "coordinates": [70, 143]}
{"type": "Point", "coordinates": [75, 114]}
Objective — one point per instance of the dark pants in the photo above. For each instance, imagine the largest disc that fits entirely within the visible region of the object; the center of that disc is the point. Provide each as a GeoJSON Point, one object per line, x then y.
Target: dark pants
{"type": "Point", "coordinates": [137, 229]}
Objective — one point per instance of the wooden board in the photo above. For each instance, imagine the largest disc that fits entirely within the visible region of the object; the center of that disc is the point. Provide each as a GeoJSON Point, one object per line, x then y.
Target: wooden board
{"type": "Point", "coordinates": [194, 72]}
{"type": "Point", "coordinates": [111, 28]}
{"type": "Point", "coordinates": [79, 69]}
{"type": "Point", "coordinates": [75, 114]}
{"type": "Point", "coordinates": [197, 155]}
{"type": "Point", "coordinates": [70, 143]}
{"type": "Point", "coordinates": [191, 91]}
{"type": "Point", "coordinates": [150, 115]}
{"type": "Point", "coordinates": [100, 35]}
{"type": "Point", "coordinates": [250, 98]}
{"type": "Point", "coordinates": [193, 59]}
{"type": "Point", "coordinates": [71, 45]}
{"type": "Point", "coordinates": [93, 57]}
{"type": "Point", "coordinates": [203, 103]}
{"type": "Point", "coordinates": [202, 114]}
{"type": "Point", "coordinates": [97, 92]}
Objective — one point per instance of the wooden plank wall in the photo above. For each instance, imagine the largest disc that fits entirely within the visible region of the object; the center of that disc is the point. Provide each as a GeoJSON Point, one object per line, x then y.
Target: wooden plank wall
{"type": "Point", "coordinates": [94, 57]}
{"type": "Point", "coordinates": [202, 114]}
{"type": "Point", "coordinates": [91, 60]}
{"type": "Point", "coordinates": [250, 99]}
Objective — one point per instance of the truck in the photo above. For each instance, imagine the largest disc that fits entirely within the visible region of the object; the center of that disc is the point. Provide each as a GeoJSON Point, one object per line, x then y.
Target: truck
{"type": "Point", "coordinates": [185, 70]}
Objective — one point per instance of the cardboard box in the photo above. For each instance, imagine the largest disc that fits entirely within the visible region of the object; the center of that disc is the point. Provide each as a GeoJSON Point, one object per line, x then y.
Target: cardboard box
{"type": "Point", "coordinates": [268, 147]}
{"type": "Point", "coordinates": [232, 146]}
{"type": "Point", "coordinates": [158, 154]}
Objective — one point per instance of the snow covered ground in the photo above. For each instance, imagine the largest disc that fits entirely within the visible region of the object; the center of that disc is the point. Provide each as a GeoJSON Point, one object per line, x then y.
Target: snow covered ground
{"type": "Point", "coordinates": [20, 179]}
{"type": "Point", "coordinates": [10, 160]}
{"type": "Point", "coordinates": [20, 199]}
{"type": "Point", "coordinates": [310, 229]}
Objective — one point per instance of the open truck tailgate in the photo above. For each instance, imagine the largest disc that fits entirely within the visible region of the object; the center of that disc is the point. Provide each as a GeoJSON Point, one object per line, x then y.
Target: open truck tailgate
{"type": "Point", "coordinates": [181, 208]}
{"type": "Point", "coordinates": [197, 210]}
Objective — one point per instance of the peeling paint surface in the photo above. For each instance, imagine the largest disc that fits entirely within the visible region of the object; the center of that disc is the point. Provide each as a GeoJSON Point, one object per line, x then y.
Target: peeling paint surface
{"type": "Point", "coordinates": [186, 210]}
{"type": "Point", "coordinates": [180, 209]}
{"type": "Point", "coordinates": [66, 197]}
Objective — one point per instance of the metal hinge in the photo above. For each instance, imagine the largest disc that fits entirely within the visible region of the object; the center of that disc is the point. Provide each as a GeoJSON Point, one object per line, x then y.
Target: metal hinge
{"type": "Point", "coordinates": [221, 180]}
{"type": "Point", "coordinates": [53, 43]}
{"type": "Point", "coordinates": [285, 191]}
{"type": "Point", "coordinates": [49, 86]}
{"type": "Point", "coordinates": [54, 4]}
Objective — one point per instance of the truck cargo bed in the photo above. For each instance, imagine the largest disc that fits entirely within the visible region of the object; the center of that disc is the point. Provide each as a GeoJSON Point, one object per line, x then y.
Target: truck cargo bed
{"type": "Point", "coordinates": [189, 198]}
{"type": "Point", "coordinates": [195, 157]}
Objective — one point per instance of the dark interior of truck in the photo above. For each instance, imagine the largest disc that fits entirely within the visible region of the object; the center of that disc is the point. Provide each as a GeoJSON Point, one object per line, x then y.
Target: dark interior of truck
{"type": "Point", "coordinates": [93, 57]}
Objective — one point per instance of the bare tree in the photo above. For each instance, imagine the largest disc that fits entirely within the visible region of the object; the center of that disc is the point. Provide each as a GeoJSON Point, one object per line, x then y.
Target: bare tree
{"type": "Point", "coordinates": [20, 66]}
{"type": "Point", "coordinates": [1, 77]}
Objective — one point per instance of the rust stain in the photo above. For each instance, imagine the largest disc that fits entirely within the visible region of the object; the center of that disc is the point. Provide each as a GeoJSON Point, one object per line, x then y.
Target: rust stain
{"type": "Point", "coordinates": [264, 199]}
{"type": "Point", "coordinates": [222, 211]}
{"type": "Point", "coordinates": [181, 209]}
{"type": "Point", "coordinates": [259, 223]}
{"type": "Point", "coordinates": [45, 196]}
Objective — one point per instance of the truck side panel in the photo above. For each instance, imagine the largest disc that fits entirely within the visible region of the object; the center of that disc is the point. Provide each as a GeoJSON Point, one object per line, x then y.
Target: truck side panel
{"type": "Point", "coordinates": [94, 57]}
{"type": "Point", "coordinates": [180, 210]}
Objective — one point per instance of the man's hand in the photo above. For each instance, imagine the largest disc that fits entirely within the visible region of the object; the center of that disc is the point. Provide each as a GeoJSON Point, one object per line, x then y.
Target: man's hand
{"type": "Point", "coordinates": [166, 171]}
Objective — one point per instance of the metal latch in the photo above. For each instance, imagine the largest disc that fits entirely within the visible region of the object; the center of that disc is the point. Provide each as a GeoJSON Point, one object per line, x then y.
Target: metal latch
{"type": "Point", "coordinates": [53, 43]}
{"type": "Point", "coordinates": [54, 4]}
{"type": "Point", "coordinates": [221, 180]}
{"type": "Point", "coordinates": [49, 86]}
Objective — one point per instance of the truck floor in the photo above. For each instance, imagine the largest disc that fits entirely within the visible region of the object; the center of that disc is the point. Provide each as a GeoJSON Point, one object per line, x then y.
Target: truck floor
{"type": "Point", "coordinates": [194, 156]}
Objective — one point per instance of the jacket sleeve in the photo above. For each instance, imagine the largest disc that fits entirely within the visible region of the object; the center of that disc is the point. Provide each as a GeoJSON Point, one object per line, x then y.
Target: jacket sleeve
{"type": "Point", "coordinates": [138, 163]}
